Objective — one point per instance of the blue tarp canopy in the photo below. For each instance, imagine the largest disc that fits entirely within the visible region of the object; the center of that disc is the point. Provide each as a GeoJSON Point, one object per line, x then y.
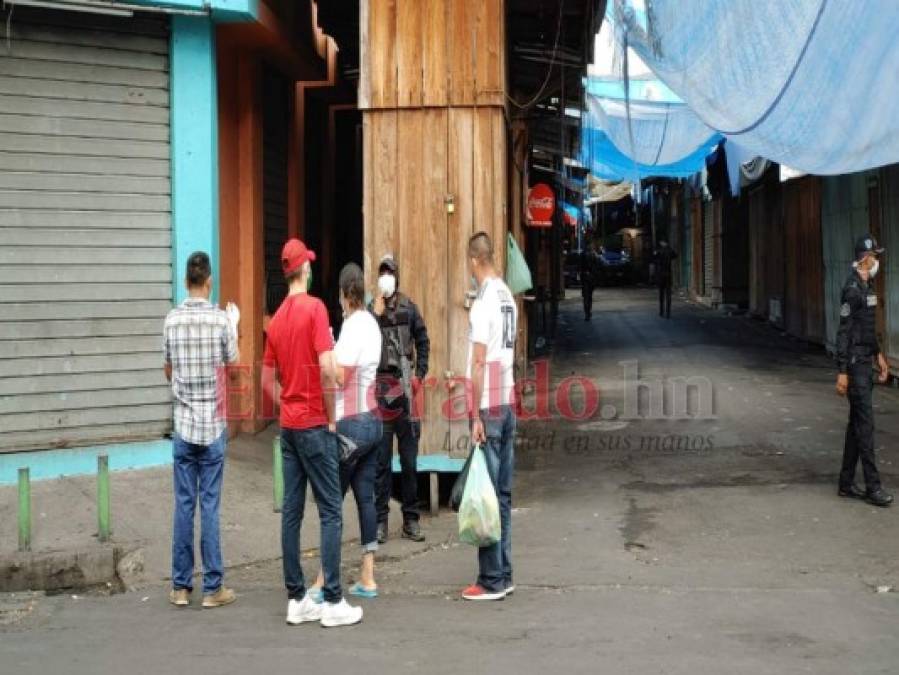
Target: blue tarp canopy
{"type": "Point", "coordinates": [646, 138]}
{"type": "Point", "coordinates": [812, 84]}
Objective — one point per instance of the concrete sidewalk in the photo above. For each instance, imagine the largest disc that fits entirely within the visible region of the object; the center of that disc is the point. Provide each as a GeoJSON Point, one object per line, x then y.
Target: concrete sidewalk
{"type": "Point", "coordinates": [64, 514]}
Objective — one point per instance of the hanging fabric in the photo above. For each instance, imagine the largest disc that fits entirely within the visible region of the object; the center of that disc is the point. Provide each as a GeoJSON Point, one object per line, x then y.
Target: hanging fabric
{"type": "Point", "coordinates": [808, 83]}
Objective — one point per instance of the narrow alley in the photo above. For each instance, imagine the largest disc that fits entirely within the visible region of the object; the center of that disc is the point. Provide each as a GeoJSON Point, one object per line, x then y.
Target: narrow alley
{"type": "Point", "coordinates": [640, 545]}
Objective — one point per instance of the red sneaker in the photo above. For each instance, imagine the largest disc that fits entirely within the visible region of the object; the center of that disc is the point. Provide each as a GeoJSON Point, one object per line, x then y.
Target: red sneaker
{"type": "Point", "coordinates": [477, 592]}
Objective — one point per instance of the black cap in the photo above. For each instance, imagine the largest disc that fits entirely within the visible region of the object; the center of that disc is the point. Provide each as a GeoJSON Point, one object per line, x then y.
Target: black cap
{"type": "Point", "coordinates": [388, 262]}
{"type": "Point", "coordinates": [865, 245]}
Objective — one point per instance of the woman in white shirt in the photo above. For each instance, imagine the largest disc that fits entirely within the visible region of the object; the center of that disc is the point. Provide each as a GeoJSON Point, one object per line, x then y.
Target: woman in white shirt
{"type": "Point", "coordinates": [358, 352]}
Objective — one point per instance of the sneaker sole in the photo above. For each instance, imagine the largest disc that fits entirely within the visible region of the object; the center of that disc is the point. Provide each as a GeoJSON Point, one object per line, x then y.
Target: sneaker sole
{"type": "Point", "coordinates": [214, 605]}
{"type": "Point", "coordinates": [487, 597]}
{"type": "Point", "coordinates": [340, 624]}
{"type": "Point", "coordinates": [420, 538]}
{"type": "Point", "coordinates": [301, 621]}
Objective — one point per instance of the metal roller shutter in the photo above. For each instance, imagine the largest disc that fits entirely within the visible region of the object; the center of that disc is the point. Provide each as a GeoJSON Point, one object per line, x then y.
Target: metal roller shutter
{"type": "Point", "coordinates": [85, 229]}
{"type": "Point", "coordinates": [274, 185]}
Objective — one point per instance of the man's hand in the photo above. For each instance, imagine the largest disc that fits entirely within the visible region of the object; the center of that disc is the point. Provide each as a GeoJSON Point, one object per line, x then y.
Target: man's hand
{"type": "Point", "coordinates": [377, 304]}
{"type": "Point", "coordinates": [233, 315]}
{"type": "Point", "coordinates": [884, 368]}
{"type": "Point", "coordinates": [477, 431]}
{"type": "Point", "coordinates": [842, 384]}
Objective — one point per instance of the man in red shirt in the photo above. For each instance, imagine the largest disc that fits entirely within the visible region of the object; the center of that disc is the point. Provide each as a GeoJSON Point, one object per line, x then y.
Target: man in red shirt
{"type": "Point", "coordinates": [299, 348]}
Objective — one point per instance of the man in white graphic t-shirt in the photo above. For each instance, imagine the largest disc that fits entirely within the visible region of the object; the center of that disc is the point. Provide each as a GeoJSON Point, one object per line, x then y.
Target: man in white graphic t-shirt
{"type": "Point", "coordinates": [493, 321]}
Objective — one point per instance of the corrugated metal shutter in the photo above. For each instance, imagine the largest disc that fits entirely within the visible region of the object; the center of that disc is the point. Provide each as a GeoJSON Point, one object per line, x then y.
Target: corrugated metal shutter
{"type": "Point", "coordinates": [708, 218]}
{"type": "Point", "coordinates": [890, 236]}
{"type": "Point", "coordinates": [85, 229]}
{"type": "Point", "coordinates": [844, 218]}
{"type": "Point", "coordinates": [274, 185]}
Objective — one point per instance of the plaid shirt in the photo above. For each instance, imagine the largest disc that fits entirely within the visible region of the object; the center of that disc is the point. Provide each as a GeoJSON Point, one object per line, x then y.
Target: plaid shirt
{"type": "Point", "coordinates": [198, 343]}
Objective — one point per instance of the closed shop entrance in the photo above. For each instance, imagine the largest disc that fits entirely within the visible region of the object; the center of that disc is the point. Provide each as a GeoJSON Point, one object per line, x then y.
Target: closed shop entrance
{"type": "Point", "coordinates": [85, 228]}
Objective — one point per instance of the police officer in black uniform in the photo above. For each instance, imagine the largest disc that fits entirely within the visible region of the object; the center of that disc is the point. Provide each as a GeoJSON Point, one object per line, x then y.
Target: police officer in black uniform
{"type": "Point", "coordinates": [663, 258]}
{"type": "Point", "coordinates": [404, 363]}
{"type": "Point", "coordinates": [588, 270]}
{"type": "Point", "coordinates": [857, 351]}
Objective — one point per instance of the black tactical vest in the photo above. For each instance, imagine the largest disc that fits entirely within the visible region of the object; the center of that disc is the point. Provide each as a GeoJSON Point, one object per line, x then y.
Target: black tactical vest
{"type": "Point", "coordinates": [863, 338]}
{"type": "Point", "coordinates": [396, 332]}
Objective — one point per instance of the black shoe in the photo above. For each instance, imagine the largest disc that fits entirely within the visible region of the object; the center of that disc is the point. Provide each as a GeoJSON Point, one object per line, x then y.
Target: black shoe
{"type": "Point", "coordinates": [852, 492]}
{"type": "Point", "coordinates": [382, 533]}
{"type": "Point", "coordinates": [879, 497]}
{"type": "Point", "coordinates": [412, 530]}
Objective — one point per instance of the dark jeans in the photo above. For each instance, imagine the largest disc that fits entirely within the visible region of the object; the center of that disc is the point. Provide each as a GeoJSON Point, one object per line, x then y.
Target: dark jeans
{"type": "Point", "coordinates": [365, 431]}
{"type": "Point", "coordinates": [860, 430]}
{"type": "Point", "coordinates": [198, 470]}
{"type": "Point", "coordinates": [407, 432]}
{"type": "Point", "coordinates": [587, 294]}
{"type": "Point", "coordinates": [311, 454]}
{"type": "Point", "coordinates": [665, 298]}
{"type": "Point", "coordinates": [495, 562]}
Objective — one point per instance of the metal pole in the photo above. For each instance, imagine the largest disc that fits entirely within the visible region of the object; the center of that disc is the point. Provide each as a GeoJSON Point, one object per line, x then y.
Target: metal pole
{"type": "Point", "coordinates": [103, 529]}
{"type": "Point", "coordinates": [24, 510]}
{"type": "Point", "coordinates": [277, 474]}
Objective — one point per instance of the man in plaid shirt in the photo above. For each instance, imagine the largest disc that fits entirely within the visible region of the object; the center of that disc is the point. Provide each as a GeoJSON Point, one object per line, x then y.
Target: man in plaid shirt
{"type": "Point", "coordinates": [200, 339]}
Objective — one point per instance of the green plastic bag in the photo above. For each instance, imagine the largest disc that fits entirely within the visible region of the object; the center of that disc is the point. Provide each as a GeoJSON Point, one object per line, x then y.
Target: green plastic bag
{"type": "Point", "coordinates": [518, 275]}
{"type": "Point", "coordinates": [479, 523]}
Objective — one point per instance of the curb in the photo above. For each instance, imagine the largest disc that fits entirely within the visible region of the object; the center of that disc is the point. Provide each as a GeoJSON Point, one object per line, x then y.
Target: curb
{"type": "Point", "coordinates": [57, 570]}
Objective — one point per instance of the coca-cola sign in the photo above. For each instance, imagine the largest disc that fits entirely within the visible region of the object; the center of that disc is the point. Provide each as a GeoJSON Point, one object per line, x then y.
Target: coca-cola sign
{"type": "Point", "coordinates": [541, 205]}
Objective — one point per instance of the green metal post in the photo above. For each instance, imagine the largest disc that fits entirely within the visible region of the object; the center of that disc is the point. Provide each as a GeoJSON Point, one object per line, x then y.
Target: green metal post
{"type": "Point", "coordinates": [103, 498]}
{"type": "Point", "coordinates": [278, 474]}
{"type": "Point", "coordinates": [24, 510]}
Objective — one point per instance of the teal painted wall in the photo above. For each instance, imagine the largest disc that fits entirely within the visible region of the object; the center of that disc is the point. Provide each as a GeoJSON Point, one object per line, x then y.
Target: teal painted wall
{"type": "Point", "coordinates": [195, 180]}
{"type": "Point", "coordinates": [49, 464]}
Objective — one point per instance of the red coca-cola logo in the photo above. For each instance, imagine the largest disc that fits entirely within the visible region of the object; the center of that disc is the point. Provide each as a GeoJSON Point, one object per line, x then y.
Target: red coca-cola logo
{"type": "Point", "coordinates": [541, 205]}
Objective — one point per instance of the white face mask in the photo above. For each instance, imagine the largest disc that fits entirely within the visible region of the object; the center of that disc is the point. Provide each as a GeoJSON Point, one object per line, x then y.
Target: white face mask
{"type": "Point", "coordinates": [387, 285]}
{"type": "Point", "coordinates": [875, 268]}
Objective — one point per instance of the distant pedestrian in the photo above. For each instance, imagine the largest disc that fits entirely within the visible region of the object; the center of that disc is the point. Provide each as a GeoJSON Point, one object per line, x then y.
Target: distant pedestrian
{"type": "Point", "coordinates": [857, 350]}
{"type": "Point", "coordinates": [404, 364]}
{"type": "Point", "coordinates": [663, 258]}
{"type": "Point", "coordinates": [493, 321]}
{"type": "Point", "coordinates": [200, 339]}
{"type": "Point", "coordinates": [299, 347]}
{"type": "Point", "coordinates": [358, 353]}
{"type": "Point", "coordinates": [588, 273]}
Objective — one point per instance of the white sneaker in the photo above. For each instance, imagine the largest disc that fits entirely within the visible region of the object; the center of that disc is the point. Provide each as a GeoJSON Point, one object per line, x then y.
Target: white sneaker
{"type": "Point", "coordinates": [340, 614]}
{"type": "Point", "coordinates": [301, 611]}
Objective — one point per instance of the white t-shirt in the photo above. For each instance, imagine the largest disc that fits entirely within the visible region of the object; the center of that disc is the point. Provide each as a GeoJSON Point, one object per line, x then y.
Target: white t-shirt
{"type": "Point", "coordinates": [358, 350]}
{"type": "Point", "coordinates": [493, 321]}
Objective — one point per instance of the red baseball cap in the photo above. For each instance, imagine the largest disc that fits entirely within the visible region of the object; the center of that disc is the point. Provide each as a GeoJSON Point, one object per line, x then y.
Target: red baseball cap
{"type": "Point", "coordinates": [294, 255]}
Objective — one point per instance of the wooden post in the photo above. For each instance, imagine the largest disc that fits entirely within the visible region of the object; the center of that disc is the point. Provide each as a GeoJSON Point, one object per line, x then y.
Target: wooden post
{"type": "Point", "coordinates": [103, 522]}
{"type": "Point", "coordinates": [24, 510]}
{"type": "Point", "coordinates": [432, 95]}
{"type": "Point", "coordinates": [277, 475]}
{"type": "Point", "coordinates": [435, 493]}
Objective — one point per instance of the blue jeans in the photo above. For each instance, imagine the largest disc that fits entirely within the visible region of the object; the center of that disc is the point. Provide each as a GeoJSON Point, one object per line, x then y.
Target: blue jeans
{"type": "Point", "coordinates": [495, 562]}
{"type": "Point", "coordinates": [365, 431]}
{"type": "Point", "coordinates": [313, 455]}
{"type": "Point", "coordinates": [197, 469]}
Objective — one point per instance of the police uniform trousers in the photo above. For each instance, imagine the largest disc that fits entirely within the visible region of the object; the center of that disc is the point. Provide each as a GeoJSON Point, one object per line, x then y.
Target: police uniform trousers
{"type": "Point", "coordinates": [859, 443]}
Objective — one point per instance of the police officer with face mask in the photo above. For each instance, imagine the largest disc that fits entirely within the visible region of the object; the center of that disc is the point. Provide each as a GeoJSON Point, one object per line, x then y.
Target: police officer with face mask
{"type": "Point", "coordinates": [857, 351]}
{"type": "Point", "coordinates": [404, 363]}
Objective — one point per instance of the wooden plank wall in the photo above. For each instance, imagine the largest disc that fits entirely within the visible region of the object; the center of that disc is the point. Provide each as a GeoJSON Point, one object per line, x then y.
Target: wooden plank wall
{"type": "Point", "coordinates": [432, 53]}
{"type": "Point", "coordinates": [432, 93]}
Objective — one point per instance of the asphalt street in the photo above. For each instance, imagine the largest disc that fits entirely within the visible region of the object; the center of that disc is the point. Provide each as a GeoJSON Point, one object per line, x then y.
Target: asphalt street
{"type": "Point", "coordinates": [705, 542]}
